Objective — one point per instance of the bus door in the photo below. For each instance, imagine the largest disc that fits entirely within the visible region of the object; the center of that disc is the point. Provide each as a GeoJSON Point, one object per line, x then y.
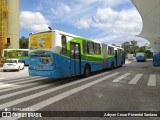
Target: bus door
{"type": "Point", "coordinates": [116, 57]}
{"type": "Point", "coordinates": [75, 58]}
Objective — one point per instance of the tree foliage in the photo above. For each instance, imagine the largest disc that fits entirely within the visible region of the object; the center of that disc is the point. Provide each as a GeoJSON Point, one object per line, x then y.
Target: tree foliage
{"type": "Point", "coordinates": [132, 48]}
{"type": "Point", "coordinates": [23, 43]}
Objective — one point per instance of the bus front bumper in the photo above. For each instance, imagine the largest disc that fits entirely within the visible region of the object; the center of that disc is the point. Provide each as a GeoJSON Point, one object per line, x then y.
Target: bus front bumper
{"type": "Point", "coordinates": [48, 73]}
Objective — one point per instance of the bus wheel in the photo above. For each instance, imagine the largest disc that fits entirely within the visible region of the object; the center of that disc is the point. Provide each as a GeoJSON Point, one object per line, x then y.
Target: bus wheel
{"type": "Point", "coordinates": [87, 71]}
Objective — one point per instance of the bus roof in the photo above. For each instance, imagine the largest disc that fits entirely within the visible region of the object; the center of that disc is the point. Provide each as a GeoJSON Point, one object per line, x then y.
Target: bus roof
{"type": "Point", "coordinates": [60, 32]}
{"type": "Point", "coordinates": [67, 34]}
{"type": "Point", "coordinates": [16, 49]}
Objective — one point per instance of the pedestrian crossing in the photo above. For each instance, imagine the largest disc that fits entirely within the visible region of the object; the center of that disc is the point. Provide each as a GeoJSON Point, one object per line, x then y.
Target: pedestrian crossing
{"type": "Point", "coordinates": [21, 89]}
{"type": "Point", "coordinates": [152, 80]}
{"type": "Point", "coordinates": [135, 79]}
{"type": "Point", "coordinates": [121, 77]}
{"type": "Point", "coordinates": [11, 84]}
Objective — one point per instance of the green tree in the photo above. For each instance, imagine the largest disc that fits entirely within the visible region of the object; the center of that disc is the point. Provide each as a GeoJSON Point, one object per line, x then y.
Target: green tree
{"type": "Point", "coordinates": [134, 47]}
{"type": "Point", "coordinates": [126, 46]}
{"type": "Point", "coordinates": [149, 54]}
{"type": "Point", "coordinates": [23, 43]}
{"type": "Point", "coordinates": [130, 47]}
{"type": "Point", "coordinates": [142, 49]}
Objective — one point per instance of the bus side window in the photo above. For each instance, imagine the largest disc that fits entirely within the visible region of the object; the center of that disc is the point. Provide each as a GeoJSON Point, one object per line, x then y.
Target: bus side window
{"type": "Point", "coordinates": [112, 51]}
{"type": "Point", "coordinates": [97, 49]}
{"type": "Point", "coordinates": [64, 44]}
{"type": "Point", "coordinates": [108, 50]}
{"type": "Point", "coordinates": [84, 47]}
{"type": "Point", "coordinates": [90, 48]}
{"type": "Point", "coordinates": [5, 53]}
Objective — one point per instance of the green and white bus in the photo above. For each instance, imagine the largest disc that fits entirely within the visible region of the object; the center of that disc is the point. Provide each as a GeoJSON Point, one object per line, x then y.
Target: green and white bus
{"type": "Point", "coordinates": [58, 54]}
{"type": "Point", "coordinates": [21, 54]}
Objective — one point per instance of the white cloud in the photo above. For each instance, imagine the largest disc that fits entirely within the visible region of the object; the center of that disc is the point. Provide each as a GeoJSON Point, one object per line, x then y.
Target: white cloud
{"type": "Point", "coordinates": [119, 39]}
{"type": "Point", "coordinates": [108, 3]}
{"type": "Point", "coordinates": [106, 14]}
{"type": "Point", "coordinates": [115, 22]}
{"type": "Point", "coordinates": [33, 21]}
{"type": "Point", "coordinates": [60, 11]}
{"type": "Point", "coordinates": [87, 2]}
{"type": "Point", "coordinates": [84, 23]}
{"type": "Point", "coordinates": [109, 20]}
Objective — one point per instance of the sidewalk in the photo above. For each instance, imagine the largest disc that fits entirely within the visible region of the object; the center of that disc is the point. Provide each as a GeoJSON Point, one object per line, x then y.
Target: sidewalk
{"type": "Point", "coordinates": [128, 61]}
{"type": "Point", "coordinates": [13, 74]}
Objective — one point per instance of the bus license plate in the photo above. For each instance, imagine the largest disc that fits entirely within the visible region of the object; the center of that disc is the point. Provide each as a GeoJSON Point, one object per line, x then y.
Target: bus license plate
{"type": "Point", "coordinates": [40, 67]}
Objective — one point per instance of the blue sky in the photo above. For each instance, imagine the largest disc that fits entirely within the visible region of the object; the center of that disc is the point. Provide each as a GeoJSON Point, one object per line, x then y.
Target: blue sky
{"type": "Point", "coordinates": [108, 21]}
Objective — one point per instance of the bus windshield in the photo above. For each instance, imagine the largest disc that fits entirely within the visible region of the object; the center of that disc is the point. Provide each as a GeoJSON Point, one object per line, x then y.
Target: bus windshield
{"type": "Point", "coordinates": [140, 54]}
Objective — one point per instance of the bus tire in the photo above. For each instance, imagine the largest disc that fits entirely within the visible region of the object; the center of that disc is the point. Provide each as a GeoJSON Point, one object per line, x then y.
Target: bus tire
{"type": "Point", "coordinates": [87, 71]}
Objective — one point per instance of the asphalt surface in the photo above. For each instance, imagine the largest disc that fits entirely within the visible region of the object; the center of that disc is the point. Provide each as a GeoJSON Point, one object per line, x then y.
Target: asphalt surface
{"type": "Point", "coordinates": [132, 87]}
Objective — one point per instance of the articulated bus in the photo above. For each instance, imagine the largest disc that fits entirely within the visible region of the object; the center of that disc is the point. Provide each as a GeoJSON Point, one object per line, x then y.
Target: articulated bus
{"type": "Point", "coordinates": [21, 54]}
{"type": "Point", "coordinates": [58, 54]}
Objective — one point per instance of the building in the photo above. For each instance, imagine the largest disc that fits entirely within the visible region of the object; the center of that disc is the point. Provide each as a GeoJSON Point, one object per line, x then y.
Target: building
{"type": "Point", "coordinates": [9, 24]}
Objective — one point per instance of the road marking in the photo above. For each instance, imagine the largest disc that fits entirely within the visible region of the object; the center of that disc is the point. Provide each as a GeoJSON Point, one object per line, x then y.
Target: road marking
{"type": "Point", "coordinates": [8, 89]}
{"type": "Point", "coordinates": [6, 85]}
{"type": "Point", "coordinates": [17, 87]}
{"type": "Point", "coordinates": [38, 79]}
{"type": "Point", "coordinates": [135, 79]}
{"type": "Point", "coordinates": [1, 78]}
{"type": "Point", "coordinates": [68, 93]}
{"type": "Point", "coordinates": [121, 77]}
{"type": "Point", "coordinates": [24, 91]}
{"type": "Point", "coordinates": [17, 78]}
{"type": "Point", "coordinates": [152, 80]}
{"type": "Point", "coordinates": [17, 101]}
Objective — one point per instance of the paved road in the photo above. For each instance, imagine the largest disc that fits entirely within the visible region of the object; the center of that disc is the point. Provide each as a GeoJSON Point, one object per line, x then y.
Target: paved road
{"type": "Point", "coordinates": [133, 87]}
{"type": "Point", "coordinates": [13, 74]}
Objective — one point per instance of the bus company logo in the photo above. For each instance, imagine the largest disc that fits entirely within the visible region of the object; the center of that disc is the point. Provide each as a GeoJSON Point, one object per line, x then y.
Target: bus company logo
{"type": "Point", "coordinates": [6, 114]}
{"type": "Point", "coordinates": [34, 38]}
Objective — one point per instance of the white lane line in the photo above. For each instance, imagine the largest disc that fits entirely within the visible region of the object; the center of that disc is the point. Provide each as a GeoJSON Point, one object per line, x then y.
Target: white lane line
{"type": "Point", "coordinates": [121, 77]}
{"type": "Point", "coordinates": [135, 79]}
{"type": "Point", "coordinates": [17, 101]}
{"type": "Point", "coordinates": [38, 79]}
{"type": "Point", "coordinates": [6, 85]}
{"type": "Point", "coordinates": [152, 80]}
{"type": "Point", "coordinates": [8, 89]}
{"type": "Point", "coordinates": [21, 86]}
{"type": "Point", "coordinates": [68, 93]}
{"type": "Point", "coordinates": [2, 78]}
{"type": "Point", "coordinates": [17, 78]}
{"type": "Point", "coordinates": [24, 91]}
